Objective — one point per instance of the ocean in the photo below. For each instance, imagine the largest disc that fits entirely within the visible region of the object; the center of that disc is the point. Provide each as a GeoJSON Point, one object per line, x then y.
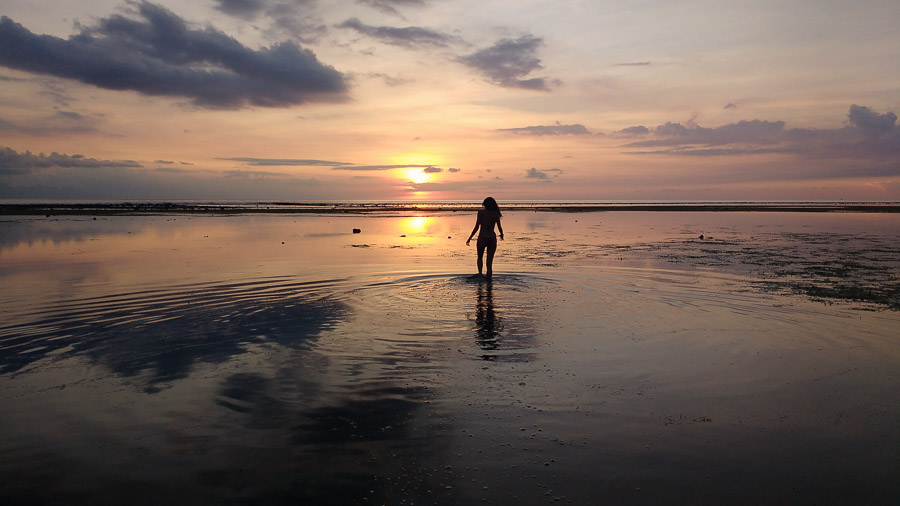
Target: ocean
{"type": "Point", "coordinates": [345, 353]}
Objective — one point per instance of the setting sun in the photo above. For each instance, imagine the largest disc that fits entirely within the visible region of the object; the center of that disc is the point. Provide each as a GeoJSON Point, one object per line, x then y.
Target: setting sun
{"type": "Point", "coordinates": [417, 175]}
{"type": "Point", "coordinates": [417, 165]}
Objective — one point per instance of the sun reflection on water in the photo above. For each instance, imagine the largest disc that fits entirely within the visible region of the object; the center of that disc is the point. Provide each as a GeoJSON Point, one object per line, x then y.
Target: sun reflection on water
{"type": "Point", "coordinates": [416, 225]}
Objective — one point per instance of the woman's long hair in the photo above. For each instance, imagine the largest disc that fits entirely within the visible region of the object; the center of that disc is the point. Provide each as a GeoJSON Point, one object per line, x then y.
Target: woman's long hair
{"type": "Point", "coordinates": [491, 205]}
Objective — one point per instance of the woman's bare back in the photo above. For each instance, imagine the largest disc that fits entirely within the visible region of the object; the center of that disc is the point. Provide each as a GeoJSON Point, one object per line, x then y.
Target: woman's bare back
{"type": "Point", "coordinates": [487, 219]}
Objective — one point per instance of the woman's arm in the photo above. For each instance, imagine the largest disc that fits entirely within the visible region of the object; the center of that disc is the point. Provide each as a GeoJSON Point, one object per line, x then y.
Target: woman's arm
{"type": "Point", "coordinates": [477, 224]}
{"type": "Point", "coordinates": [500, 228]}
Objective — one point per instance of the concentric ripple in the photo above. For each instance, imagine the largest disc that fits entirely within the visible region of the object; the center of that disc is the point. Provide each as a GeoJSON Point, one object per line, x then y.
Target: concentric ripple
{"type": "Point", "coordinates": [168, 329]}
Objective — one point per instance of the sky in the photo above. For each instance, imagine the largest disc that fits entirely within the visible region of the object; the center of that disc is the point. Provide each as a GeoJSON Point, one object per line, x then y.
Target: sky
{"type": "Point", "coordinates": [299, 100]}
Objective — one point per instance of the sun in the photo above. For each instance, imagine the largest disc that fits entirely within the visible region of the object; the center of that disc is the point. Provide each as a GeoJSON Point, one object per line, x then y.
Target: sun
{"type": "Point", "coordinates": [416, 164]}
{"type": "Point", "coordinates": [417, 175]}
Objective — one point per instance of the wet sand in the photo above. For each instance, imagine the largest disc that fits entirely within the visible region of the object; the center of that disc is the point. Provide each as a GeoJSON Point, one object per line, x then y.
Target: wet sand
{"type": "Point", "coordinates": [616, 358]}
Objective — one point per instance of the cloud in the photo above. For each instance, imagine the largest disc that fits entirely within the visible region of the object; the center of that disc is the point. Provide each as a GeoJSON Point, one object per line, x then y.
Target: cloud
{"type": "Point", "coordinates": [432, 170]}
{"type": "Point", "coordinates": [160, 54]}
{"type": "Point", "coordinates": [676, 134]}
{"type": "Point", "coordinates": [410, 36]}
{"type": "Point", "coordinates": [296, 18]}
{"type": "Point", "coordinates": [870, 122]}
{"type": "Point", "coordinates": [391, 81]}
{"type": "Point", "coordinates": [634, 131]}
{"type": "Point", "coordinates": [15, 163]}
{"type": "Point", "coordinates": [633, 64]}
{"type": "Point", "coordinates": [549, 130]}
{"type": "Point", "coordinates": [508, 62]}
{"type": "Point", "coordinates": [59, 176]}
{"type": "Point", "coordinates": [533, 173]}
{"type": "Point", "coordinates": [387, 6]}
{"type": "Point", "coordinates": [251, 174]}
{"type": "Point", "coordinates": [271, 162]}
{"type": "Point", "coordinates": [60, 122]}
{"type": "Point", "coordinates": [453, 169]}
{"type": "Point", "coordinates": [380, 167]}
{"type": "Point", "coordinates": [870, 136]}
{"type": "Point", "coordinates": [246, 9]}
{"type": "Point", "coordinates": [730, 105]}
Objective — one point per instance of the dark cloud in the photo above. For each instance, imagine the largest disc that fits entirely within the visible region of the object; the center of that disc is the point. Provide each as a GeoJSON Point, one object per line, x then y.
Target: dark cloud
{"type": "Point", "coordinates": [677, 134]}
{"type": "Point", "coordinates": [410, 36]}
{"type": "Point", "coordinates": [509, 61]}
{"type": "Point", "coordinates": [246, 9]}
{"type": "Point", "coordinates": [270, 162]}
{"type": "Point", "coordinates": [549, 130]}
{"type": "Point", "coordinates": [730, 105]}
{"type": "Point", "coordinates": [160, 54]}
{"type": "Point", "coordinates": [870, 122]}
{"type": "Point", "coordinates": [59, 176]}
{"type": "Point", "coordinates": [871, 135]}
{"type": "Point", "coordinates": [432, 170]}
{"type": "Point", "coordinates": [634, 131]}
{"type": "Point", "coordinates": [15, 163]}
{"type": "Point", "coordinates": [388, 6]}
{"type": "Point", "coordinates": [453, 169]}
{"type": "Point", "coordinates": [533, 173]}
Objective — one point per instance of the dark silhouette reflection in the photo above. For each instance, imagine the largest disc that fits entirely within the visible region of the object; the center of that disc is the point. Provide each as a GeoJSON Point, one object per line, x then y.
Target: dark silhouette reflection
{"type": "Point", "coordinates": [158, 337]}
{"type": "Point", "coordinates": [487, 325]}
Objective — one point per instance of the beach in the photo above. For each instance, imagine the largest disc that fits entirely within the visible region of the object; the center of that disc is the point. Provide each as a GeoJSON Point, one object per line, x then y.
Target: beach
{"type": "Point", "coordinates": [637, 356]}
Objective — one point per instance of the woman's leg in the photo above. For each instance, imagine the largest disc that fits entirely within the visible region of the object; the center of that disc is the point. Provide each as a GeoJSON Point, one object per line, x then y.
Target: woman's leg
{"type": "Point", "coordinates": [480, 245]}
{"type": "Point", "coordinates": [491, 249]}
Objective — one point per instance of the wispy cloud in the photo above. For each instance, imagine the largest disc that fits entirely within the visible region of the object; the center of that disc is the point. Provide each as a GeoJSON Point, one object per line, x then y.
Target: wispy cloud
{"type": "Point", "coordinates": [296, 18]}
{"type": "Point", "coordinates": [160, 54]}
{"type": "Point", "coordinates": [61, 176]}
{"type": "Point", "coordinates": [509, 62]}
{"type": "Point", "coordinates": [390, 6]}
{"type": "Point", "coordinates": [271, 162]}
{"type": "Point", "coordinates": [247, 9]}
{"type": "Point", "coordinates": [633, 64]}
{"type": "Point", "coordinates": [380, 167]}
{"type": "Point", "coordinates": [248, 174]}
{"type": "Point", "coordinates": [410, 36]}
{"type": "Point", "coordinates": [60, 122]}
{"type": "Point", "coordinates": [15, 163]}
{"type": "Point", "coordinates": [557, 129]}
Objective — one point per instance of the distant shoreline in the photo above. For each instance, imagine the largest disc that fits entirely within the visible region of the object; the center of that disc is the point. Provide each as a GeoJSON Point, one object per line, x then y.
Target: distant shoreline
{"type": "Point", "coordinates": [105, 209]}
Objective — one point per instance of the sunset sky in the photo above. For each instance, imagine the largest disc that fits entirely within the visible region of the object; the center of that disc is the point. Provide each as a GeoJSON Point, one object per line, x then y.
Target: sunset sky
{"type": "Point", "coordinates": [449, 99]}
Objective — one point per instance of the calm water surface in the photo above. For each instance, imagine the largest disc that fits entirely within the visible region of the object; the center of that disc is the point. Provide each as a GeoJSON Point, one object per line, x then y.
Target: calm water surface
{"type": "Point", "coordinates": [615, 358]}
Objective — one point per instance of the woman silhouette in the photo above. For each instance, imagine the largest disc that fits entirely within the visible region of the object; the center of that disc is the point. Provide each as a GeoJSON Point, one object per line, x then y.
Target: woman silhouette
{"type": "Point", "coordinates": [488, 216]}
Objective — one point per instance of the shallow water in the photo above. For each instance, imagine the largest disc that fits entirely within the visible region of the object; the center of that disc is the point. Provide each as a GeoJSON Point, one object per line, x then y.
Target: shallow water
{"type": "Point", "coordinates": [615, 358]}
